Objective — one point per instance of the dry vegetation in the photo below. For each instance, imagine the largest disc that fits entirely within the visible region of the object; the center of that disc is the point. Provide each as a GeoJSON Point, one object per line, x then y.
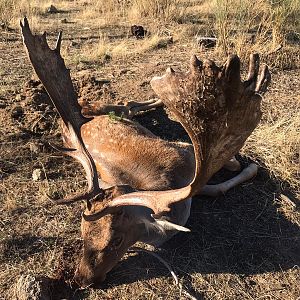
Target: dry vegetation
{"type": "Point", "coordinates": [245, 245]}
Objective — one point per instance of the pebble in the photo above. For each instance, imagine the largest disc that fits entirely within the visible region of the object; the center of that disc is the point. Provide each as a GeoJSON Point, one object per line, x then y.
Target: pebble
{"type": "Point", "coordinates": [17, 112]}
{"type": "Point", "coordinates": [52, 10]}
{"type": "Point", "coordinates": [38, 175]}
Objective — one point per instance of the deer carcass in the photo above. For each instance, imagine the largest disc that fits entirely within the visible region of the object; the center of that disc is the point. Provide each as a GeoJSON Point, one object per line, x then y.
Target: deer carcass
{"type": "Point", "coordinates": [140, 186]}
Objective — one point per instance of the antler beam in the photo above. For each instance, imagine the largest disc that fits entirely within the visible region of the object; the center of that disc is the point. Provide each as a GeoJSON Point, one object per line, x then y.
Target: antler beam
{"type": "Point", "coordinates": [51, 70]}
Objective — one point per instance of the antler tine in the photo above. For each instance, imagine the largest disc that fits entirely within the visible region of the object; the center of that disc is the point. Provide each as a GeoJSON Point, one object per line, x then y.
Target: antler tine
{"type": "Point", "coordinates": [195, 63]}
{"type": "Point", "coordinates": [82, 154]}
{"type": "Point", "coordinates": [232, 70]}
{"type": "Point", "coordinates": [253, 67]}
{"type": "Point", "coordinates": [157, 201]}
{"type": "Point", "coordinates": [51, 70]}
{"type": "Point", "coordinates": [58, 41]}
{"type": "Point", "coordinates": [251, 81]}
{"type": "Point", "coordinates": [264, 80]}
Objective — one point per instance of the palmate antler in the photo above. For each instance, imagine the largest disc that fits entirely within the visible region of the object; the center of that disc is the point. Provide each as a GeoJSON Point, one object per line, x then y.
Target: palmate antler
{"type": "Point", "coordinates": [218, 111]}
{"type": "Point", "coordinates": [216, 108]}
{"type": "Point", "coordinates": [50, 68]}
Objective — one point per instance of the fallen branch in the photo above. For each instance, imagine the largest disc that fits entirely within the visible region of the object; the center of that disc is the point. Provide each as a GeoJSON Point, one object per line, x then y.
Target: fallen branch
{"type": "Point", "coordinates": [176, 281]}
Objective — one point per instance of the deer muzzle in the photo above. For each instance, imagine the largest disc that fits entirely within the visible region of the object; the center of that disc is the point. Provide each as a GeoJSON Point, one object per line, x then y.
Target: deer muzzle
{"type": "Point", "coordinates": [85, 278]}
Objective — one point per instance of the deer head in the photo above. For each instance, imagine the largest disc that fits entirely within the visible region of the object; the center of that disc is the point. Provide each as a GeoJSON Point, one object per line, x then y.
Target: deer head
{"type": "Point", "coordinates": [106, 239]}
{"type": "Point", "coordinates": [216, 108]}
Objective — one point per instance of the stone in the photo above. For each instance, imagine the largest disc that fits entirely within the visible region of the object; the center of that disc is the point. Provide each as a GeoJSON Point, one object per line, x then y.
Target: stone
{"type": "Point", "coordinates": [138, 31]}
{"type": "Point", "coordinates": [17, 112]}
{"type": "Point", "coordinates": [52, 9]}
{"type": "Point", "coordinates": [38, 175]}
{"type": "Point", "coordinates": [206, 42]}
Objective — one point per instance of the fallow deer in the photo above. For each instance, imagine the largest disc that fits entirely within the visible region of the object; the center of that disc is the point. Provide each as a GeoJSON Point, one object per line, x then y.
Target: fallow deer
{"type": "Point", "coordinates": [140, 186]}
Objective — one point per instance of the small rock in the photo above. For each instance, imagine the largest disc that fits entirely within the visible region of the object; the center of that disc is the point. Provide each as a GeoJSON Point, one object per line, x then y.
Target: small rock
{"type": "Point", "coordinates": [64, 21]}
{"type": "Point", "coordinates": [18, 97]}
{"type": "Point", "coordinates": [29, 287]}
{"type": "Point", "coordinates": [52, 10]}
{"type": "Point", "coordinates": [17, 112]}
{"type": "Point", "coordinates": [138, 31]}
{"type": "Point", "coordinates": [38, 175]}
{"type": "Point", "coordinates": [206, 42]}
{"type": "Point", "coordinates": [2, 104]}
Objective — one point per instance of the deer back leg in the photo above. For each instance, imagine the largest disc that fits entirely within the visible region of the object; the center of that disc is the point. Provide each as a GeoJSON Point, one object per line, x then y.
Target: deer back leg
{"type": "Point", "coordinates": [219, 189]}
{"type": "Point", "coordinates": [232, 165]}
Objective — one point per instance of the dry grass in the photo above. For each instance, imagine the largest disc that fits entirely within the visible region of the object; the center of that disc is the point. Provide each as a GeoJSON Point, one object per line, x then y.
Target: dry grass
{"type": "Point", "coordinates": [239, 29]}
{"type": "Point", "coordinates": [276, 141]}
{"type": "Point", "coordinates": [104, 50]}
{"type": "Point", "coordinates": [110, 11]}
{"type": "Point", "coordinates": [11, 11]}
{"type": "Point", "coordinates": [165, 10]}
{"type": "Point", "coordinates": [268, 21]}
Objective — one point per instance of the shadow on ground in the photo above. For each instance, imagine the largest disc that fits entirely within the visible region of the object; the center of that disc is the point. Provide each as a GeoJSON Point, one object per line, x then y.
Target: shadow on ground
{"type": "Point", "coordinates": [240, 233]}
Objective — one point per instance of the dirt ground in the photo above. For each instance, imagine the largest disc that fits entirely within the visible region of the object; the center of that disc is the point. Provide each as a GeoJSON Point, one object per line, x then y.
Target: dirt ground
{"type": "Point", "coordinates": [243, 245]}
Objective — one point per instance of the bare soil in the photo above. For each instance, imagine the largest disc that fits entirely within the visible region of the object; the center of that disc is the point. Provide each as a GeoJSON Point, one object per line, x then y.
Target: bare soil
{"type": "Point", "coordinates": [243, 245]}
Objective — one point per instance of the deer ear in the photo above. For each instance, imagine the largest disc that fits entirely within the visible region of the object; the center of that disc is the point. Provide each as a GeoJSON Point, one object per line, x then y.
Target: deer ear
{"type": "Point", "coordinates": [166, 225]}
{"type": "Point", "coordinates": [162, 225]}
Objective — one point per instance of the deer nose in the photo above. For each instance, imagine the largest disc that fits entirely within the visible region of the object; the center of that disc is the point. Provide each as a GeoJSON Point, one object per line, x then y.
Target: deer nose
{"type": "Point", "coordinates": [84, 282]}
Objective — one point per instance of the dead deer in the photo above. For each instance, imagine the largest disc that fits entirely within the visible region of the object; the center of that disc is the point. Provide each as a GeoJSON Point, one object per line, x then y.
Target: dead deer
{"type": "Point", "coordinates": [139, 186]}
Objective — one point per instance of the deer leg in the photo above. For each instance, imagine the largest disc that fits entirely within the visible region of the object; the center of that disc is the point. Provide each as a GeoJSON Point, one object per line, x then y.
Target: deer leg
{"type": "Point", "coordinates": [232, 165]}
{"type": "Point", "coordinates": [128, 110]}
{"type": "Point", "coordinates": [222, 188]}
{"type": "Point", "coordinates": [98, 108]}
{"type": "Point", "coordinates": [136, 107]}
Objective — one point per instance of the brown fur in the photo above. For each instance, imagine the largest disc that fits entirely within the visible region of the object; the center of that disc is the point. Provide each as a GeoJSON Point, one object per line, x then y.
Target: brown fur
{"type": "Point", "coordinates": [127, 153]}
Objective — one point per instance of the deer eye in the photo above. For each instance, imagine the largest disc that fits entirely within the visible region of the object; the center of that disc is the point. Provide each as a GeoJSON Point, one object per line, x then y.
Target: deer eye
{"type": "Point", "coordinates": [116, 242]}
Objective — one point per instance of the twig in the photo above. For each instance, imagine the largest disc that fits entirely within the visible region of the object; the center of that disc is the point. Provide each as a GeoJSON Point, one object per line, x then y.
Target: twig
{"type": "Point", "coordinates": [182, 291]}
{"type": "Point", "coordinates": [138, 249]}
{"type": "Point", "coordinates": [275, 50]}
